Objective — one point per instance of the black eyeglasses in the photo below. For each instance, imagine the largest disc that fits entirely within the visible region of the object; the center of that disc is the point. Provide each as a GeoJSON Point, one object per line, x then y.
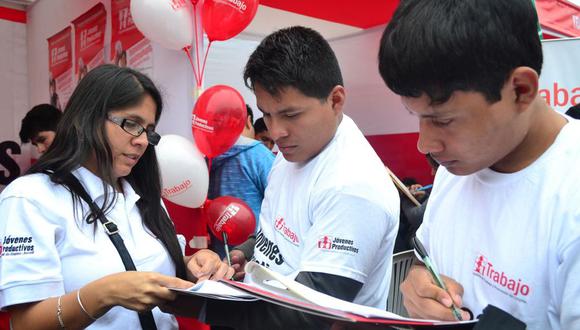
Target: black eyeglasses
{"type": "Point", "coordinates": [134, 128]}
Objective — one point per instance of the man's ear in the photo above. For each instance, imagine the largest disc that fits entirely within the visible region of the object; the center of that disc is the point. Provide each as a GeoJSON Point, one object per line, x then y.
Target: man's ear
{"type": "Point", "coordinates": [337, 97]}
{"type": "Point", "coordinates": [249, 123]}
{"type": "Point", "coordinates": [524, 81]}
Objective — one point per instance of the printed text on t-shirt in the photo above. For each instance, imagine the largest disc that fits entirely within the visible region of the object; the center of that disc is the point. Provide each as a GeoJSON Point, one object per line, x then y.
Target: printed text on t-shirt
{"type": "Point", "coordinates": [286, 232]}
{"type": "Point", "coordinates": [499, 280]}
{"type": "Point", "coordinates": [17, 245]}
{"type": "Point", "coordinates": [268, 248]}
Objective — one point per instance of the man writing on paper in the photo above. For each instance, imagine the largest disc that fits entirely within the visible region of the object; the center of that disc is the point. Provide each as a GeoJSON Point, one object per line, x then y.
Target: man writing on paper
{"type": "Point", "coordinates": [503, 220]}
{"type": "Point", "coordinates": [330, 212]}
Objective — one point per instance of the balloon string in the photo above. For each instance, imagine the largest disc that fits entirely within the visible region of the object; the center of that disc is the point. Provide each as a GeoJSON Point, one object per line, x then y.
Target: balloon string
{"type": "Point", "coordinates": [205, 59]}
{"type": "Point", "coordinates": [196, 42]}
{"type": "Point", "coordinates": [188, 52]}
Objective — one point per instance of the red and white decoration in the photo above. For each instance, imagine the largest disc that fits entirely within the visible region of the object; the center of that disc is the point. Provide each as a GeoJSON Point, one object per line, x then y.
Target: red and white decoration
{"type": "Point", "coordinates": [128, 46]}
{"type": "Point", "coordinates": [60, 82]}
{"type": "Point", "coordinates": [89, 40]}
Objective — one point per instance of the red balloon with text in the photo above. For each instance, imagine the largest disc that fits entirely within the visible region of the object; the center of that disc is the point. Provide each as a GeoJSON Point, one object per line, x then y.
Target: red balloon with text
{"type": "Point", "coordinates": [218, 120]}
{"type": "Point", "coordinates": [232, 216]}
{"type": "Point", "coordinates": [224, 19]}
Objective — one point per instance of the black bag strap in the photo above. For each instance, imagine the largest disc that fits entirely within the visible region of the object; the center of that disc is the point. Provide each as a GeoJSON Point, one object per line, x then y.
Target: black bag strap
{"type": "Point", "coordinates": [146, 318]}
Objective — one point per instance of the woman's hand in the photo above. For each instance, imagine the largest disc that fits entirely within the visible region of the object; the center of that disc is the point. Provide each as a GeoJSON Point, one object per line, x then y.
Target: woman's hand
{"type": "Point", "coordinates": [206, 264]}
{"type": "Point", "coordinates": [138, 291]}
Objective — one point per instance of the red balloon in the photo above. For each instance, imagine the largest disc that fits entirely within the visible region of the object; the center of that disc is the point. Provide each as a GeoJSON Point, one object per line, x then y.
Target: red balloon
{"type": "Point", "coordinates": [232, 216]}
{"type": "Point", "coordinates": [224, 19]}
{"type": "Point", "coordinates": [218, 120]}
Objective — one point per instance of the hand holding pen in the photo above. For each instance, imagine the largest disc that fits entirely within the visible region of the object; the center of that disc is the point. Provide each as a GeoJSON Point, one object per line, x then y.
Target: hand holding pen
{"type": "Point", "coordinates": [429, 295]}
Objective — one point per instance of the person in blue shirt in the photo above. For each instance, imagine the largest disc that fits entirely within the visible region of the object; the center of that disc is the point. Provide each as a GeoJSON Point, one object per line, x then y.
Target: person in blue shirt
{"type": "Point", "coordinates": [241, 172]}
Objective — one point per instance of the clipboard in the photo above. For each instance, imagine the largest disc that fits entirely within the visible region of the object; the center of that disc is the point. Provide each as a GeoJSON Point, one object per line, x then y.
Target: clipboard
{"type": "Point", "coordinates": [401, 186]}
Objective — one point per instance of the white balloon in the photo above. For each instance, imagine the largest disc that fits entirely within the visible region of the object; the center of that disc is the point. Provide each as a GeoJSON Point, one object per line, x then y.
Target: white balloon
{"type": "Point", "coordinates": [164, 22]}
{"type": "Point", "coordinates": [184, 174]}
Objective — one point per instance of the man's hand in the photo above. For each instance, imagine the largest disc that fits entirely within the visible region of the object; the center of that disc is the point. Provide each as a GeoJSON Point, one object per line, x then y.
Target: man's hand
{"type": "Point", "coordinates": [419, 194]}
{"type": "Point", "coordinates": [238, 263]}
{"type": "Point", "coordinates": [206, 264]}
{"type": "Point", "coordinates": [424, 299]}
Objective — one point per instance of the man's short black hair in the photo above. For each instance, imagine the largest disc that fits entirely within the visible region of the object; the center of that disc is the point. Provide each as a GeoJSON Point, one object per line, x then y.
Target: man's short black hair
{"type": "Point", "coordinates": [250, 113]}
{"type": "Point", "coordinates": [296, 57]}
{"type": "Point", "coordinates": [260, 126]}
{"type": "Point", "coordinates": [437, 47]}
{"type": "Point", "coordinates": [409, 181]}
{"type": "Point", "coordinates": [574, 111]}
{"type": "Point", "coordinates": [43, 117]}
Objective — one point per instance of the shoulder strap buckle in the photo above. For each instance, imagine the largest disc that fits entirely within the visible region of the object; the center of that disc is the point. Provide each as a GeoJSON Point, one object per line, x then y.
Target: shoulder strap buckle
{"type": "Point", "coordinates": [110, 227]}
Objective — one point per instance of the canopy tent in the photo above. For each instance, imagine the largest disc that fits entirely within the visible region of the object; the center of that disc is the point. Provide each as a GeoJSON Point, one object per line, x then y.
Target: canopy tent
{"type": "Point", "coordinates": [332, 18]}
{"type": "Point", "coordinates": [339, 18]}
{"type": "Point", "coordinates": [559, 17]}
{"type": "Point", "coordinates": [363, 15]}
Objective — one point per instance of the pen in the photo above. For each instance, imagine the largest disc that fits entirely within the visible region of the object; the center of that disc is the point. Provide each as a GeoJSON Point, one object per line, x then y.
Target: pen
{"type": "Point", "coordinates": [431, 267]}
{"type": "Point", "coordinates": [424, 187]}
{"type": "Point", "coordinates": [227, 248]}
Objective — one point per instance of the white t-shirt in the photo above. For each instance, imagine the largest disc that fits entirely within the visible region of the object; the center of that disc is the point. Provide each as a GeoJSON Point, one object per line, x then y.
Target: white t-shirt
{"type": "Point", "coordinates": [336, 214]}
{"type": "Point", "coordinates": [47, 252]}
{"type": "Point", "coordinates": [513, 240]}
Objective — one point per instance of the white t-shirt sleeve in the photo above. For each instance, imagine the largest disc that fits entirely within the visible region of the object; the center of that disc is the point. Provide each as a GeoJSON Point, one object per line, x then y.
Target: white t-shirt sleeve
{"type": "Point", "coordinates": [568, 283]}
{"type": "Point", "coordinates": [340, 242]}
{"type": "Point", "coordinates": [30, 267]}
{"type": "Point", "coordinates": [566, 297]}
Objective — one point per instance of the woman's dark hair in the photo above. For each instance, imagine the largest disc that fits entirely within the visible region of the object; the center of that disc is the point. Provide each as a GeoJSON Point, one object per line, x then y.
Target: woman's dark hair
{"type": "Point", "coordinates": [437, 47]}
{"type": "Point", "coordinates": [81, 134]}
{"type": "Point", "coordinates": [296, 57]}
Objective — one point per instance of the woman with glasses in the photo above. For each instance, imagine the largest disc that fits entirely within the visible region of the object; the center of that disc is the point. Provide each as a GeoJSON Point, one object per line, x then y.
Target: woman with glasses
{"type": "Point", "coordinates": [58, 266]}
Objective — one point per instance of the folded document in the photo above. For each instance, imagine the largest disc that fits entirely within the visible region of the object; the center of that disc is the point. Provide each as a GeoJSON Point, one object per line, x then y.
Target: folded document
{"type": "Point", "coordinates": [264, 284]}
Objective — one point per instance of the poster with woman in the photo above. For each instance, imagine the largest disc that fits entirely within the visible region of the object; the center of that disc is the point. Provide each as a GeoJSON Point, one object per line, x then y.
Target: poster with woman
{"type": "Point", "coordinates": [128, 46]}
{"type": "Point", "coordinates": [89, 40]}
{"type": "Point", "coordinates": [60, 82]}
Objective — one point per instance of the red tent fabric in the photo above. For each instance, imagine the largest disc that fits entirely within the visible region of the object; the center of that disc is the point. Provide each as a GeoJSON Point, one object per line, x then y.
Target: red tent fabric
{"type": "Point", "coordinates": [13, 15]}
{"type": "Point", "coordinates": [361, 14]}
{"type": "Point", "coordinates": [560, 16]}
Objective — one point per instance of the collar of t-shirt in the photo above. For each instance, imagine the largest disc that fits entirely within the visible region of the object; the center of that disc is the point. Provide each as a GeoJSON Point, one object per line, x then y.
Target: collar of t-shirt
{"type": "Point", "coordinates": [94, 186]}
{"type": "Point", "coordinates": [345, 123]}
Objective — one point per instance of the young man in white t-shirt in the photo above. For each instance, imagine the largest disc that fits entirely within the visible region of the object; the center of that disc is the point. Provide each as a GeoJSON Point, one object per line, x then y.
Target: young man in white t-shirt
{"type": "Point", "coordinates": [503, 220]}
{"type": "Point", "coordinates": [330, 212]}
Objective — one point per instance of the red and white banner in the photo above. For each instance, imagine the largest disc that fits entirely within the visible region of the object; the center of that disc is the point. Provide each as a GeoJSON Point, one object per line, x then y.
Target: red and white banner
{"type": "Point", "coordinates": [60, 82]}
{"type": "Point", "coordinates": [90, 40]}
{"type": "Point", "coordinates": [14, 157]}
{"type": "Point", "coordinates": [128, 46]}
{"type": "Point", "coordinates": [560, 81]}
